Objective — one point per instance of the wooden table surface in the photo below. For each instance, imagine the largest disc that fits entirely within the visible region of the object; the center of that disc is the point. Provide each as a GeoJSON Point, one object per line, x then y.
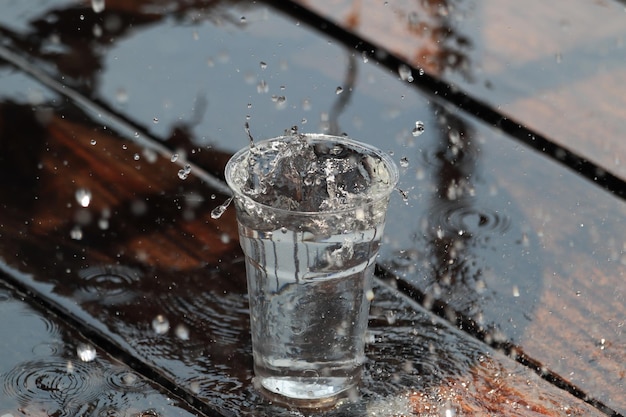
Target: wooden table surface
{"type": "Point", "coordinates": [500, 286]}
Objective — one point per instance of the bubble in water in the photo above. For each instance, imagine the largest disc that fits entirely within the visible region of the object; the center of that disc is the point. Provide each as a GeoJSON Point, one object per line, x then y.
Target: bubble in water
{"type": "Point", "coordinates": [97, 6]}
{"type": "Point", "coordinates": [174, 157]}
{"type": "Point", "coordinates": [405, 73]}
{"type": "Point", "coordinates": [93, 142]}
{"type": "Point", "coordinates": [184, 172]}
{"type": "Point", "coordinates": [160, 324]}
{"type": "Point", "coordinates": [263, 65]}
{"type": "Point", "coordinates": [219, 210]}
{"type": "Point", "coordinates": [404, 162]}
{"type": "Point", "coordinates": [419, 128]}
{"type": "Point", "coordinates": [339, 90]}
{"type": "Point", "coordinates": [155, 120]}
{"type": "Point", "coordinates": [86, 352]}
{"type": "Point", "coordinates": [83, 197]}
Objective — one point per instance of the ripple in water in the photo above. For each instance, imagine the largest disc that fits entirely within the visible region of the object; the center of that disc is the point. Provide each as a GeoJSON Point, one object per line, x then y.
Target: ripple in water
{"type": "Point", "coordinates": [111, 283]}
{"type": "Point", "coordinates": [124, 380]}
{"type": "Point", "coordinates": [59, 385]}
{"type": "Point", "coordinates": [458, 219]}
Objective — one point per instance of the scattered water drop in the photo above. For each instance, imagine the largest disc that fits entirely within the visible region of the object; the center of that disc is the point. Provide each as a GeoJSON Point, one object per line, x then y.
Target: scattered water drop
{"type": "Point", "coordinates": [219, 210]}
{"type": "Point", "coordinates": [97, 6]}
{"type": "Point", "coordinates": [184, 172]}
{"type": "Point", "coordinates": [160, 324]}
{"type": "Point", "coordinates": [339, 90]}
{"type": "Point", "coordinates": [83, 197]}
{"type": "Point", "coordinates": [419, 128]}
{"type": "Point", "coordinates": [76, 233]}
{"type": "Point", "coordinates": [182, 332]}
{"type": "Point", "coordinates": [86, 352]}
{"type": "Point", "coordinates": [405, 73]}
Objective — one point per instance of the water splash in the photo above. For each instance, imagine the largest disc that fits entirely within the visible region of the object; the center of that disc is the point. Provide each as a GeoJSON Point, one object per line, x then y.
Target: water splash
{"type": "Point", "coordinates": [219, 210]}
{"type": "Point", "coordinates": [86, 352]}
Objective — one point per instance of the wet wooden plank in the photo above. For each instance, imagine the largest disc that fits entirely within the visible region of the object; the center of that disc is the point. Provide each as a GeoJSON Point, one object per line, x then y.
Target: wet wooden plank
{"type": "Point", "coordinates": [539, 64]}
{"type": "Point", "coordinates": [48, 368]}
{"type": "Point", "coordinates": [167, 287]}
{"type": "Point", "coordinates": [567, 85]}
{"type": "Point", "coordinates": [157, 226]}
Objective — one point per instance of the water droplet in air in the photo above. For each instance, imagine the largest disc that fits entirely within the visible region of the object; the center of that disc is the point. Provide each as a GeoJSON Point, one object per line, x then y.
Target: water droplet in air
{"type": "Point", "coordinates": [219, 210]}
{"type": "Point", "coordinates": [83, 197]}
{"type": "Point", "coordinates": [97, 6]}
{"type": "Point", "coordinates": [184, 172]}
{"type": "Point", "coordinates": [339, 90]}
{"type": "Point", "coordinates": [160, 324]}
{"type": "Point", "coordinates": [419, 128]}
{"type": "Point", "coordinates": [405, 73]}
{"type": "Point", "coordinates": [86, 352]}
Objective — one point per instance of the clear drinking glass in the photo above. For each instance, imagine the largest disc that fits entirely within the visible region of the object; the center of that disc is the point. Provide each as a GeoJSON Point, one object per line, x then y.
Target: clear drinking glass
{"type": "Point", "coordinates": [311, 211]}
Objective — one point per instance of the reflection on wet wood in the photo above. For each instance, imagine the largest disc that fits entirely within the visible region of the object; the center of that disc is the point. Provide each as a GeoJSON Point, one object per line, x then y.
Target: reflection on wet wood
{"type": "Point", "coordinates": [540, 64]}
{"type": "Point", "coordinates": [580, 310]}
{"type": "Point", "coordinates": [55, 371]}
{"type": "Point", "coordinates": [164, 283]}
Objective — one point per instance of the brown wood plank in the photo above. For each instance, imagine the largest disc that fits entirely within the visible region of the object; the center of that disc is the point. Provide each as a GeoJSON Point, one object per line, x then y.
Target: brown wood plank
{"type": "Point", "coordinates": [49, 368]}
{"type": "Point", "coordinates": [188, 273]}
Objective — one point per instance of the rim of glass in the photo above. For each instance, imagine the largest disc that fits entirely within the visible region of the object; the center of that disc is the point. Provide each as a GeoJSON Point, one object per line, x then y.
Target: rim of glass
{"type": "Point", "coordinates": [391, 166]}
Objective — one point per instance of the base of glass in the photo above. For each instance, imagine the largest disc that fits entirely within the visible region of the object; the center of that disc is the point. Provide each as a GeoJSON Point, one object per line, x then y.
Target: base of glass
{"type": "Point", "coordinates": [317, 392]}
